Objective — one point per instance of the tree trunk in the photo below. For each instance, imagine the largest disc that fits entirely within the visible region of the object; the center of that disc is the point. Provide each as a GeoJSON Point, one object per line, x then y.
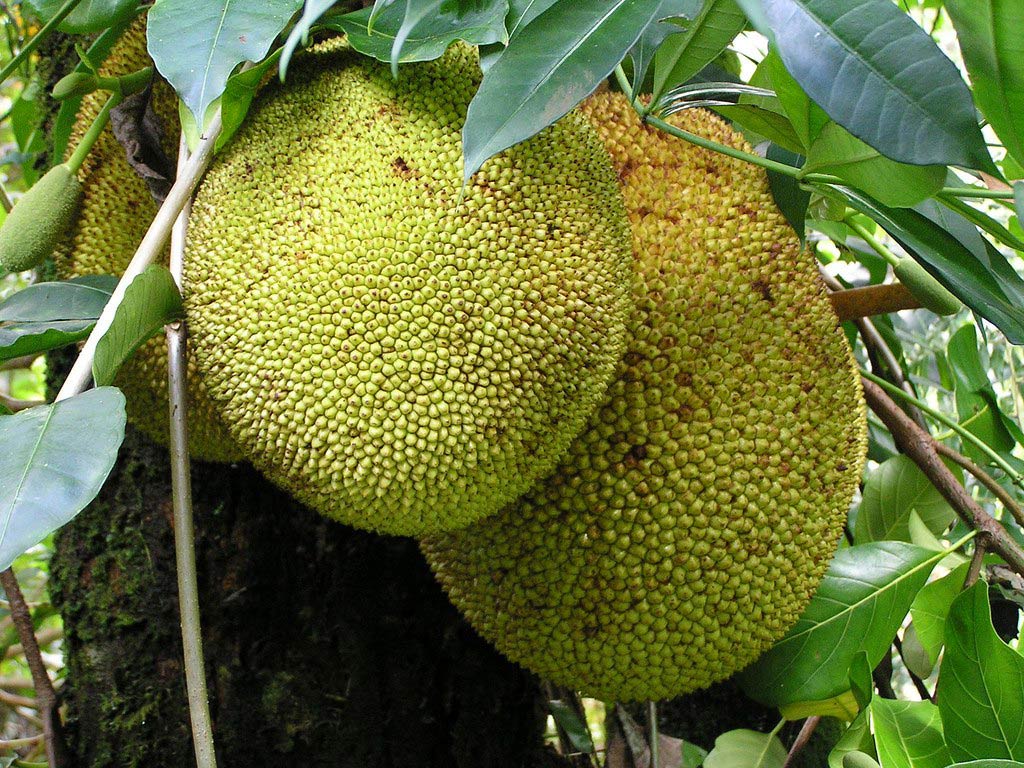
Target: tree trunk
{"type": "Point", "coordinates": [324, 645]}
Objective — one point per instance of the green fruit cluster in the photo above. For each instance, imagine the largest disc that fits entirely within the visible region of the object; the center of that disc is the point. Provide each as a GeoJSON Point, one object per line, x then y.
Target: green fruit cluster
{"type": "Point", "coordinates": [689, 525]}
{"type": "Point", "coordinates": [400, 355]}
{"type": "Point", "coordinates": [113, 217]}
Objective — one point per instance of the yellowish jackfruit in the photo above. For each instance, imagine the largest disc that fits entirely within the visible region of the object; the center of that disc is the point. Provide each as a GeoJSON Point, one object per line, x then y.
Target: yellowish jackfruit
{"type": "Point", "coordinates": [398, 358]}
{"type": "Point", "coordinates": [115, 213]}
{"type": "Point", "coordinates": [688, 527]}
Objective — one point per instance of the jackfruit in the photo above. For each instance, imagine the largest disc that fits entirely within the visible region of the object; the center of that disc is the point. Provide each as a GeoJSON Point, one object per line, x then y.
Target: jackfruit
{"type": "Point", "coordinates": [400, 354]}
{"type": "Point", "coordinates": [689, 525]}
{"type": "Point", "coordinates": [35, 226]}
{"type": "Point", "coordinates": [115, 213]}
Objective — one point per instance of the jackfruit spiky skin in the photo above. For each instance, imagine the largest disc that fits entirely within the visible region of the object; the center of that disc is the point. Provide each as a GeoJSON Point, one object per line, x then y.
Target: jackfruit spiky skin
{"type": "Point", "coordinates": [689, 525]}
{"type": "Point", "coordinates": [398, 359]}
{"type": "Point", "coordinates": [116, 211]}
{"type": "Point", "coordinates": [35, 226]}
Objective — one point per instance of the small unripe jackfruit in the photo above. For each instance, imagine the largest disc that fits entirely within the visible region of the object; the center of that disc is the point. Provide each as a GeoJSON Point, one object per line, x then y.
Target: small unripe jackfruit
{"type": "Point", "coordinates": [688, 526]}
{"type": "Point", "coordinates": [116, 211]}
{"type": "Point", "coordinates": [397, 357]}
{"type": "Point", "coordinates": [926, 289]}
{"type": "Point", "coordinates": [35, 226]}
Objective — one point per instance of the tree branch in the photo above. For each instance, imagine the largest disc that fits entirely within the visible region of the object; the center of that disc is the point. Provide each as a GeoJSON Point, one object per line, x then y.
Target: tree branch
{"type": "Point", "coordinates": [806, 731]}
{"type": "Point", "coordinates": [920, 447]}
{"type": "Point", "coordinates": [57, 754]}
{"type": "Point", "coordinates": [854, 303]}
{"type": "Point", "coordinates": [985, 479]}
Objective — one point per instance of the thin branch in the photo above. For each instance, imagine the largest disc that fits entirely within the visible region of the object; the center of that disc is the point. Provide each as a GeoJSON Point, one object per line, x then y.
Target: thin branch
{"type": "Point", "coordinates": [806, 731]}
{"type": "Point", "coordinates": [986, 480]}
{"type": "Point", "coordinates": [14, 700]}
{"type": "Point", "coordinates": [181, 483]}
{"type": "Point", "coordinates": [18, 363]}
{"type": "Point", "coordinates": [12, 744]}
{"type": "Point", "coordinates": [57, 754]}
{"type": "Point", "coordinates": [919, 446]}
{"type": "Point", "coordinates": [148, 251]}
{"type": "Point", "coordinates": [14, 405]}
{"type": "Point", "coordinates": [854, 303]}
{"type": "Point", "coordinates": [42, 639]}
{"type": "Point", "coordinates": [653, 741]}
{"type": "Point", "coordinates": [977, 560]}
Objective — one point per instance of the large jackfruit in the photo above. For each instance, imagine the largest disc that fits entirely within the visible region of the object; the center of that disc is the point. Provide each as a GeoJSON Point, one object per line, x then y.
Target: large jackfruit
{"type": "Point", "coordinates": [115, 213]}
{"type": "Point", "coordinates": [397, 357]}
{"type": "Point", "coordinates": [688, 527]}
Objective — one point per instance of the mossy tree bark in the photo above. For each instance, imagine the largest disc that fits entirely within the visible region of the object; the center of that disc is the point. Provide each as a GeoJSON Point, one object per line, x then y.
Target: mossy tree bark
{"type": "Point", "coordinates": [324, 645]}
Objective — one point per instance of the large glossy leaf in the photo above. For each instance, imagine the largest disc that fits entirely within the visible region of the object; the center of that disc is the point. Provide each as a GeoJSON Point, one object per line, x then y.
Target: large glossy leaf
{"type": "Point", "coordinates": [46, 316]}
{"type": "Point", "coordinates": [196, 46]}
{"type": "Point", "coordinates": [988, 285]}
{"type": "Point", "coordinates": [683, 56]}
{"type": "Point", "coordinates": [547, 69]}
{"type": "Point", "coordinates": [993, 50]}
{"type": "Point", "coordinates": [908, 734]}
{"type": "Point", "coordinates": [484, 21]}
{"type": "Point", "coordinates": [891, 492]}
{"type": "Point", "coordinates": [836, 151]}
{"type": "Point", "coordinates": [880, 76]}
{"type": "Point", "coordinates": [981, 684]}
{"type": "Point", "coordinates": [522, 12]}
{"type": "Point", "coordinates": [989, 764]}
{"type": "Point", "coordinates": [930, 608]}
{"type": "Point", "coordinates": [430, 38]}
{"type": "Point", "coordinates": [750, 749]}
{"type": "Point", "coordinates": [54, 461]}
{"type": "Point", "coordinates": [677, 16]}
{"type": "Point", "coordinates": [88, 16]}
{"type": "Point", "coordinates": [789, 195]}
{"type": "Point", "coordinates": [150, 302]}
{"type": "Point", "coordinates": [806, 117]}
{"type": "Point", "coordinates": [239, 92]}
{"type": "Point", "coordinates": [311, 13]}
{"type": "Point", "coordinates": [860, 604]}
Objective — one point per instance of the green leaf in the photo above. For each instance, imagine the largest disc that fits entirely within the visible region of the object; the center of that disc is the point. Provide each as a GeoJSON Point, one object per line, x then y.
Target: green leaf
{"type": "Point", "coordinates": [988, 764]}
{"type": "Point", "coordinates": [196, 46]}
{"type": "Point", "coordinates": [88, 16]}
{"type": "Point", "coordinates": [836, 151]}
{"type": "Point", "coordinates": [674, 16]}
{"type": "Point", "coordinates": [238, 95]}
{"type": "Point", "coordinates": [749, 749]}
{"type": "Point", "coordinates": [430, 38]}
{"type": "Point", "coordinates": [575, 727]}
{"type": "Point", "coordinates": [683, 56]}
{"type": "Point", "coordinates": [985, 222]}
{"type": "Point", "coordinates": [522, 12]}
{"type": "Point", "coordinates": [844, 706]}
{"type": "Point", "coordinates": [981, 684]}
{"type": "Point", "coordinates": [908, 734]}
{"type": "Point", "coordinates": [988, 285]}
{"type": "Point", "coordinates": [55, 459]}
{"type": "Point", "coordinates": [891, 492]}
{"type": "Point", "coordinates": [856, 738]}
{"type": "Point", "coordinates": [880, 76]}
{"type": "Point", "coordinates": [150, 302]}
{"type": "Point", "coordinates": [989, 35]}
{"type": "Point", "coordinates": [773, 125]}
{"type": "Point", "coordinates": [930, 608]}
{"type": "Point", "coordinates": [547, 69]}
{"type": "Point", "coordinates": [806, 117]}
{"type": "Point", "coordinates": [46, 316]}
{"type": "Point", "coordinates": [1018, 200]}
{"type": "Point", "coordinates": [860, 604]}
{"type": "Point", "coordinates": [791, 198]}
{"type": "Point", "coordinates": [484, 21]}
{"type": "Point", "coordinates": [311, 13]}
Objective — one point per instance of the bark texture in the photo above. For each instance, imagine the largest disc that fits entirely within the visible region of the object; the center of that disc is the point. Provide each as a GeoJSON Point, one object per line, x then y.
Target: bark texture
{"type": "Point", "coordinates": [324, 645]}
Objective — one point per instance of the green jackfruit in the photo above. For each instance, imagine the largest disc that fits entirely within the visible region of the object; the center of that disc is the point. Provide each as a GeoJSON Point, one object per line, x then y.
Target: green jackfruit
{"type": "Point", "coordinates": [115, 213]}
{"type": "Point", "coordinates": [397, 358]}
{"type": "Point", "coordinates": [689, 525]}
{"type": "Point", "coordinates": [35, 226]}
